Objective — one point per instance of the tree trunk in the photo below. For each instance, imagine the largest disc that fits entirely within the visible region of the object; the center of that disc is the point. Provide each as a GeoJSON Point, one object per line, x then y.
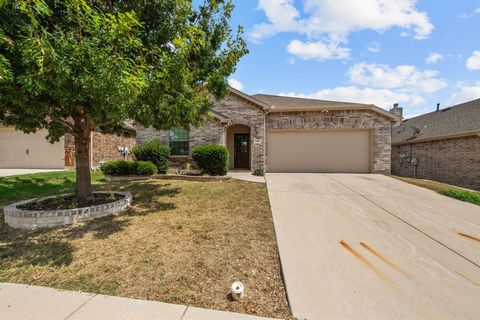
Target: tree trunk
{"type": "Point", "coordinates": [83, 191]}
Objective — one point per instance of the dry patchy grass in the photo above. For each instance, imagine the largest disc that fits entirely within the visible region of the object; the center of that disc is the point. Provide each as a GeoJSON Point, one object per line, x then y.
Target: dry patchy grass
{"type": "Point", "coordinates": [181, 242]}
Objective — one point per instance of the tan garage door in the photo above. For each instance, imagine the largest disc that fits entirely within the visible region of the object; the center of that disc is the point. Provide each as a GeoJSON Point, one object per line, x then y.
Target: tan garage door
{"type": "Point", "coordinates": [29, 151]}
{"type": "Point", "coordinates": [346, 151]}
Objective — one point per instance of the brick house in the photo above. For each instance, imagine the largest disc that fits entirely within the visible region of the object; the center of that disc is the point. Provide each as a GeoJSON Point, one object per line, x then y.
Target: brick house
{"type": "Point", "coordinates": [284, 134]}
{"type": "Point", "coordinates": [33, 151]}
{"type": "Point", "coordinates": [443, 146]}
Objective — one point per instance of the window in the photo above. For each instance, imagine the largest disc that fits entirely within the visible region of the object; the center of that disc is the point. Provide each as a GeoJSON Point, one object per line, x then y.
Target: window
{"type": "Point", "coordinates": [179, 141]}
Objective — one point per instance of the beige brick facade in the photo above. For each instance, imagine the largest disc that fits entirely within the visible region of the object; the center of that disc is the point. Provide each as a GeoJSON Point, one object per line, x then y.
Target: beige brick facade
{"type": "Point", "coordinates": [244, 112]}
{"type": "Point", "coordinates": [455, 161]}
{"type": "Point", "coordinates": [348, 119]}
{"type": "Point", "coordinates": [104, 148]}
{"type": "Point", "coordinates": [238, 110]}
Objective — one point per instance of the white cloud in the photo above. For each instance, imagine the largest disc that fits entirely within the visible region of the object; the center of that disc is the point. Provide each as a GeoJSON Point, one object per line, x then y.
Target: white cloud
{"type": "Point", "coordinates": [374, 47]}
{"type": "Point", "coordinates": [465, 92]}
{"type": "Point", "coordinates": [473, 62]}
{"type": "Point", "coordinates": [380, 97]}
{"type": "Point", "coordinates": [434, 58]}
{"type": "Point", "coordinates": [235, 84]}
{"type": "Point", "coordinates": [337, 18]}
{"type": "Point", "coordinates": [317, 50]}
{"type": "Point", "coordinates": [469, 15]}
{"type": "Point", "coordinates": [404, 78]}
{"type": "Point", "coordinates": [282, 16]}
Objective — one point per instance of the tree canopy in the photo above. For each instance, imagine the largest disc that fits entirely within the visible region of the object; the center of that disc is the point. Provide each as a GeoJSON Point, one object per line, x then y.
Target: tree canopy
{"type": "Point", "coordinates": [75, 66]}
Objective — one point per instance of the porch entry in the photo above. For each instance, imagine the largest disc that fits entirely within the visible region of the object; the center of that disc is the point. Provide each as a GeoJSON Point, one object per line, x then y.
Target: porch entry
{"type": "Point", "coordinates": [241, 149]}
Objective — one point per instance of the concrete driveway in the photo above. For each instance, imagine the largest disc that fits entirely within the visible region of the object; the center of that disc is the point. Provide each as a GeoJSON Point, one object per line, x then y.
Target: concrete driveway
{"type": "Point", "coordinates": [372, 247]}
{"type": "Point", "coordinates": [16, 172]}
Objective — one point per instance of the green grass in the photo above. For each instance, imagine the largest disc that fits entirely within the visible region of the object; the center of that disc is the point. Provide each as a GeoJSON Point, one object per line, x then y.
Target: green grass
{"type": "Point", "coordinates": [444, 189]}
{"type": "Point", "coordinates": [174, 244]}
{"type": "Point", "coordinates": [462, 195]}
{"type": "Point", "coordinates": [20, 187]}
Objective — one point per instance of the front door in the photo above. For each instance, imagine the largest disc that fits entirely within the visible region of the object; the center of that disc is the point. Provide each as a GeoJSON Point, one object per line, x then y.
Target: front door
{"type": "Point", "coordinates": [241, 151]}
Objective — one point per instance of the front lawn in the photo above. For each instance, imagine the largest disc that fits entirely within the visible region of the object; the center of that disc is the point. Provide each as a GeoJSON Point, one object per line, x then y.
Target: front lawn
{"type": "Point", "coordinates": [181, 242]}
{"type": "Point", "coordinates": [26, 186]}
{"type": "Point", "coordinates": [445, 189]}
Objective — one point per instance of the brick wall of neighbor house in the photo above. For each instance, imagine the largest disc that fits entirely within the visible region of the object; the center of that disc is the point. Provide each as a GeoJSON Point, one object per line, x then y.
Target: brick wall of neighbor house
{"type": "Point", "coordinates": [454, 161]}
{"type": "Point", "coordinates": [239, 110]}
{"type": "Point", "coordinates": [105, 148]}
{"type": "Point", "coordinates": [347, 119]}
{"type": "Point", "coordinates": [69, 151]}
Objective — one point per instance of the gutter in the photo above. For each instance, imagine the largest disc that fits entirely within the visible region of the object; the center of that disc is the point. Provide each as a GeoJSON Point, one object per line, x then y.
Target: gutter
{"type": "Point", "coordinates": [443, 137]}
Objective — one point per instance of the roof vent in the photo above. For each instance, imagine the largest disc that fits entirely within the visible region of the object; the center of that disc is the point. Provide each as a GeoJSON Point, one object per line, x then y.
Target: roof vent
{"type": "Point", "coordinates": [438, 107]}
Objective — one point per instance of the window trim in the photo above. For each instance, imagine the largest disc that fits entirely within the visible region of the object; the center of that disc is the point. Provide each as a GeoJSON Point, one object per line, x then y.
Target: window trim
{"type": "Point", "coordinates": [174, 140]}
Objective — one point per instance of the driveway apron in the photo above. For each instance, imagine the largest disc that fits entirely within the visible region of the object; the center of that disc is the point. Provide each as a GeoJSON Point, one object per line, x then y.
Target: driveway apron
{"type": "Point", "coordinates": [372, 247]}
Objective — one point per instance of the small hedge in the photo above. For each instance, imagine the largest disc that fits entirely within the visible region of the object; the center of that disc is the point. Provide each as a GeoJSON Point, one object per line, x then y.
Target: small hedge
{"type": "Point", "coordinates": [211, 159]}
{"type": "Point", "coordinates": [128, 168]}
{"type": "Point", "coordinates": [155, 152]}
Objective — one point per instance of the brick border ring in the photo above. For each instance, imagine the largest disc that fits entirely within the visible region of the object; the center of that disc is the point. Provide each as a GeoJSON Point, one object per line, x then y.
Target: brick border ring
{"type": "Point", "coordinates": [32, 220]}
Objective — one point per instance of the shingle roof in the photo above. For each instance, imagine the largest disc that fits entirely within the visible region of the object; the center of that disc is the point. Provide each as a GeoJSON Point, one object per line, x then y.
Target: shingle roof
{"type": "Point", "coordinates": [459, 119]}
{"type": "Point", "coordinates": [293, 102]}
{"type": "Point", "coordinates": [286, 104]}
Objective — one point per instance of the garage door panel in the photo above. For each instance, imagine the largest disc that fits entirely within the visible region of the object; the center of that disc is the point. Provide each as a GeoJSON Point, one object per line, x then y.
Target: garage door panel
{"type": "Point", "coordinates": [346, 151]}
{"type": "Point", "coordinates": [29, 151]}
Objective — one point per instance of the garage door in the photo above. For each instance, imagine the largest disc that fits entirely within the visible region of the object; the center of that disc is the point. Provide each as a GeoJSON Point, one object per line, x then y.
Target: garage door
{"type": "Point", "coordinates": [29, 151]}
{"type": "Point", "coordinates": [319, 151]}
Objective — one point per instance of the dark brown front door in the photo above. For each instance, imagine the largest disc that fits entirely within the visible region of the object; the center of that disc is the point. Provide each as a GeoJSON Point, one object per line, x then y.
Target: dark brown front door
{"type": "Point", "coordinates": [241, 150]}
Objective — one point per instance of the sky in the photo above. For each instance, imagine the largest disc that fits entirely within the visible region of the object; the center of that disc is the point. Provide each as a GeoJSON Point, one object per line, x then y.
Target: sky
{"type": "Point", "coordinates": [415, 53]}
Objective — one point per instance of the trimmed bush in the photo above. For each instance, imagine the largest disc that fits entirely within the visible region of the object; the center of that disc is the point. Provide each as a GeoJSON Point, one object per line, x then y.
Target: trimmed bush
{"type": "Point", "coordinates": [154, 151]}
{"type": "Point", "coordinates": [128, 168]}
{"type": "Point", "coordinates": [211, 159]}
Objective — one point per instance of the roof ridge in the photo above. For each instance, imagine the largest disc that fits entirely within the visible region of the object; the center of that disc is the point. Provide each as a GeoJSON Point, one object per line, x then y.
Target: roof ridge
{"type": "Point", "coordinates": [310, 99]}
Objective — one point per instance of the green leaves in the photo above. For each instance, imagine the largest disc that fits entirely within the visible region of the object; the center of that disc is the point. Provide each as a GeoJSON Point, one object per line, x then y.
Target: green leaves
{"type": "Point", "coordinates": [158, 62]}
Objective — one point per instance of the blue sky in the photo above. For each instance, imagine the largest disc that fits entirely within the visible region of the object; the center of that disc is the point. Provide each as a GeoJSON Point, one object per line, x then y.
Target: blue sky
{"type": "Point", "coordinates": [416, 53]}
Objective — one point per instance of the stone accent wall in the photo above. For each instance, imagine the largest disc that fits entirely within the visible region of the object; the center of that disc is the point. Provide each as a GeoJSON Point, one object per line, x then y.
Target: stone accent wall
{"type": "Point", "coordinates": [239, 110]}
{"type": "Point", "coordinates": [348, 119]}
{"type": "Point", "coordinates": [105, 148]}
{"type": "Point", "coordinates": [31, 220]}
{"type": "Point", "coordinates": [453, 161]}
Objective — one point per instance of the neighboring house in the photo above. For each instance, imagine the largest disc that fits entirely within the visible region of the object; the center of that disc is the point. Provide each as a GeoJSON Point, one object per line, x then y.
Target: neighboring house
{"type": "Point", "coordinates": [442, 146]}
{"type": "Point", "coordinates": [33, 151]}
{"type": "Point", "coordinates": [283, 134]}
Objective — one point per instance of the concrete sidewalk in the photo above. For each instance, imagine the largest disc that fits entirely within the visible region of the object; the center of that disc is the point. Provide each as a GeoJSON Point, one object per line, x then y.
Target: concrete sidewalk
{"type": "Point", "coordinates": [18, 302]}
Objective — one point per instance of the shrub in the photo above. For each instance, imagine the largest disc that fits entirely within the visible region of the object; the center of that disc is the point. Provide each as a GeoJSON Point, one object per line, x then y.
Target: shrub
{"type": "Point", "coordinates": [211, 159]}
{"type": "Point", "coordinates": [155, 152]}
{"type": "Point", "coordinates": [144, 168]}
{"type": "Point", "coordinates": [128, 168]}
{"type": "Point", "coordinates": [258, 172]}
